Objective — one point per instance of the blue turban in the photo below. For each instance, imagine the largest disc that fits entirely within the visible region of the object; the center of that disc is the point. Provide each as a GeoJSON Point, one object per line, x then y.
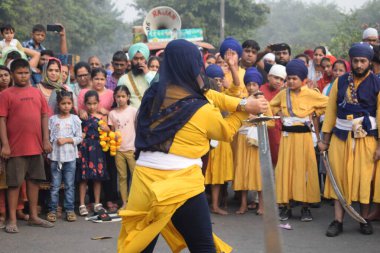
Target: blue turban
{"type": "Point", "coordinates": [230, 43]}
{"type": "Point", "coordinates": [214, 71]}
{"type": "Point", "coordinates": [298, 68]}
{"type": "Point", "coordinates": [139, 47]}
{"type": "Point", "coordinates": [361, 49]}
{"type": "Point", "coordinates": [253, 75]}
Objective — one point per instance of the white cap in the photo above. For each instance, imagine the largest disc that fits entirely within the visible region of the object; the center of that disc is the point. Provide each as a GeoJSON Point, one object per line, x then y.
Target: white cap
{"type": "Point", "coordinates": [369, 32]}
{"type": "Point", "coordinates": [278, 70]}
{"type": "Point", "coordinates": [269, 57]}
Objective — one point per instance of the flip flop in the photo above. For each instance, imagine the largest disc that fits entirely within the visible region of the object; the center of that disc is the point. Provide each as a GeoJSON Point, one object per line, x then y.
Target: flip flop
{"type": "Point", "coordinates": [12, 229]}
{"type": "Point", "coordinates": [42, 223]}
{"type": "Point", "coordinates": [103, 215]}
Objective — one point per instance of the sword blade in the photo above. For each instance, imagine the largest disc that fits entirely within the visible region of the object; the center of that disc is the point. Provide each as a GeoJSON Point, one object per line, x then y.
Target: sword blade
{"type": "Point", "coordinates": [273, 239]}
{"type": "Point", "coordinates": [349, 209]}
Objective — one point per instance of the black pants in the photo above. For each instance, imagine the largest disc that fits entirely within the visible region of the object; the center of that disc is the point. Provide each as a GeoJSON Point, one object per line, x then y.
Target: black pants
{"type": "Point", "coordinates": [193, 221]}
{"type": "Point", "coordinates": [110, 186]}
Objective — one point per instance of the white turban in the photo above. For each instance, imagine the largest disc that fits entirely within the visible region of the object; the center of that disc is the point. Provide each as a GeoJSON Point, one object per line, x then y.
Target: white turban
{"type": "Point", "coordinates": [278, 70]}
{"type": "Point", "coordinates": [370, 32]}
{"type": "Point", "coordinates": [269, 57]}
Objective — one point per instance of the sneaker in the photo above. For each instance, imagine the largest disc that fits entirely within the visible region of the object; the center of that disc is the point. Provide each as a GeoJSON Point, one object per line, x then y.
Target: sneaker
{"type": "Point", "coordinates": [83, 210]}
{"type": "Point", "coordinates": [71, 216]}
{"type": "Point", "coordinates": [285, 213]}
{"type": "Point", "coordinates": [334, 229]}
{"type": "Point", "coordinates": [306, 214]}
{"type": "Point", "coordinates": [366, 229]}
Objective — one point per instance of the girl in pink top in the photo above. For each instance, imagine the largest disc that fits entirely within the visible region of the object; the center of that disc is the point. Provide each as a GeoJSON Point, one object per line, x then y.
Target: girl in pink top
{"type": "Point", "coordinates": [99, 79]}
{"type": "Point", "coordinates": [122, 118]}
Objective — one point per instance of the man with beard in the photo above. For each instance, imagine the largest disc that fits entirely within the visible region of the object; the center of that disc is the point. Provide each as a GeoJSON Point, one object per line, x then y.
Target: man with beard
{"type": "Point", "coordinates": [138, 79]}
{"type": "Point", "coordinates": [282, 52]}
{"type": "Point", "coordinates": [350, 128]}
{"type": "Point", "coordinates": [119, 65]}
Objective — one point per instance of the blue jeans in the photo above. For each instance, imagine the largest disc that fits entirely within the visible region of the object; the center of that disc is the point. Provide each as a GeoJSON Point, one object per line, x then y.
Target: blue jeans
{"type": "Point", "coordinates": [67, 172]}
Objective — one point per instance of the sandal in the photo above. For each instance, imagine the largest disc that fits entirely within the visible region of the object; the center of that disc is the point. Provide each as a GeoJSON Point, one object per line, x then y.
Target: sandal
{"type": "Point", "coordinates": [51, 217]}
{"type": "Point", "coordinates": [83, 210]}
{"type": "Point", "coordinates": [40, 223]}
{"type": "Point", "coordinates": [70, 216]}
{"type": "Point", "coordinates": [103, 215]}
{"type": "Point", "coordinates": [11, 228]}
{"type": "Point", "coordinates": [2, 223]}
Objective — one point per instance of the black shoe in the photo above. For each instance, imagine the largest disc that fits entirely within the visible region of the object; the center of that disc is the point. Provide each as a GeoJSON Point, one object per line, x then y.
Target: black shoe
{"type": "Point", "coordinates": [315, 205]}
{"type": "Point", "coordinates": [366, 229]}
{"type": "Point", "coordinates": [334, 229]}
{"type": "Point", "coordinates": [285, 213]}
{"type": "Point", "coordinates": [306, 214]}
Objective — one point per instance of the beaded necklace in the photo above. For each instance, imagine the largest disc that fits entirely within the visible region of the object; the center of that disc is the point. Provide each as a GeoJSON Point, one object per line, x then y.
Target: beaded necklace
{"type": "Point", "coordinates": [353, 98]}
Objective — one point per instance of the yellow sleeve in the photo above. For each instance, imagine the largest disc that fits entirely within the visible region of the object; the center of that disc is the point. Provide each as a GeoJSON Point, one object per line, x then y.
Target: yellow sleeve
{"type": "Point", "coordinates": [275, 103]}
{"type": "Point", "coordinates": [270, 123]}
{"type": "Point", "coordinates": [330, 115]}
{"type": "Point", "coordinates": [224, 102]}
{"type": "Point", "coordinates": [217, 127]}
{"type": "Point", "coordinates": [320, 103]}
{"type": "Point", "coordinates": [378, 114]}
{"type": "Point", "coordinates": [234, 91]}
{"type": "Point", "coordinates": [193, 139]}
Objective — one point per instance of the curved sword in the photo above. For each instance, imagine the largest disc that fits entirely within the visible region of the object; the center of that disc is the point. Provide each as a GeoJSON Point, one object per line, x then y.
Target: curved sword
{"type": "Point", "coordinates": [349, 209]}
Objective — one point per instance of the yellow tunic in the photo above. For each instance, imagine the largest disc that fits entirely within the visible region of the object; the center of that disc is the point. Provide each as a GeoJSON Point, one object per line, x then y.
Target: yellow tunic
{"type": "Point", "coordinates": [220, 166]}
{"type": "Point", "coordinates": [296, 172]}
{"type": "Point", "coordinates": [234, 90]}
{"type": "Point", "coordinates": [247, 176]}
{"type": "Point", "coordinates": [354, 168]}
{"type": "Point", "coordinates": [157, 194]}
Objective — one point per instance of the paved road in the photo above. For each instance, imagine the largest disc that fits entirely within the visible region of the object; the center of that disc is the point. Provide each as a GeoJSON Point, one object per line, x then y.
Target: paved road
{"type": "Point", "coordinates": [243, 232]}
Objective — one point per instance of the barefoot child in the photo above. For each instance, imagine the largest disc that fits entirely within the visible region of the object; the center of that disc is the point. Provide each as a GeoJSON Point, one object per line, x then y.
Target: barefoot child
{"type": "Point", "coordinates": [247, 163]}
{"type": "Point", "coordinates": [220, 163]}
{"type": "Point", "coordinates": [123, 118]}
{"type": "Point", "coordinates": [296, 172]}
{"type": "Point", "coordinates": [92, 158]}
{"type": "Point", "coordinates": [65, 134]}
{"type": "Point", "coordinates": [24, 143]}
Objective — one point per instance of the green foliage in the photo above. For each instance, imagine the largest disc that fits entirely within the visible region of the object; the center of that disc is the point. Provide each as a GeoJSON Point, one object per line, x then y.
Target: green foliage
{"type": "Point", "coordinates": [299, 24]}
{"type": "Point", "coordinates": [347, 32]}
{"type": "Point", "coordinates": [242, 17]}
{"type": "Point", "coordinates": [92, 26]}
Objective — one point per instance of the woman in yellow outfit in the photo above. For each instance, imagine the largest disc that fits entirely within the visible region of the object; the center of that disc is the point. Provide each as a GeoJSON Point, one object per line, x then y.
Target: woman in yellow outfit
{"type": "Point", "coordinates": [296, 172]}
{"type": "Point", "coordinates": [247, 163]}
{"type": "Point", "coordinates": [174, 126]}
{"type": "Point", "coordinates": [220, 165]}
{"type": "Point", "coordinates": [351, 122]}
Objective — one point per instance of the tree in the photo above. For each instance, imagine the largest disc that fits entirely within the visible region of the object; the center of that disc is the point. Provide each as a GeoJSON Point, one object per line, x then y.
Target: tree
{"type": "Point", "coordinates": [299, 24]}
{"type": "Point", "coordinates": [92, 26]}
{"type": "Point", "coordinates": [242, 17]}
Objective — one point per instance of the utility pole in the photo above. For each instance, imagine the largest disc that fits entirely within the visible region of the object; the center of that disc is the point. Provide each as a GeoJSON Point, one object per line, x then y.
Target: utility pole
{"type": "Point", "coordinates": [222, 8]}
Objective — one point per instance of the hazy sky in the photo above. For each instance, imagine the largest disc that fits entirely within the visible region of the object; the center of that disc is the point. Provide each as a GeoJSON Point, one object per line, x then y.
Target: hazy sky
{"type": "Point", "coordinates": [130, 14]}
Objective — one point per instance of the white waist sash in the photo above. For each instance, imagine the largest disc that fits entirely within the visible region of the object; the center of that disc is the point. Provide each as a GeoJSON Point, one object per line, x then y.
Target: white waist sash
{"type": "Point", "coordinates": [290, 121]}
{"type": "Point", "coordinates": [163, 161]}
{"type": "Point", "coordinates": [346, 125]}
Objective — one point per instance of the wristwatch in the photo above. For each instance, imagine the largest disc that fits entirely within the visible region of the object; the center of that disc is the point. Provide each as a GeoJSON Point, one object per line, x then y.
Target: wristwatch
{"type": "Point", "coordinates": [242, 104]}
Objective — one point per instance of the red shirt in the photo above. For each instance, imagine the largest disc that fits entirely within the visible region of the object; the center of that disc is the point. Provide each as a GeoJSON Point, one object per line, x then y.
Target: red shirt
{"type": "Point", "coordinates": [23, 108]}
{"type": "Point", "coordinates": [274, 134]}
